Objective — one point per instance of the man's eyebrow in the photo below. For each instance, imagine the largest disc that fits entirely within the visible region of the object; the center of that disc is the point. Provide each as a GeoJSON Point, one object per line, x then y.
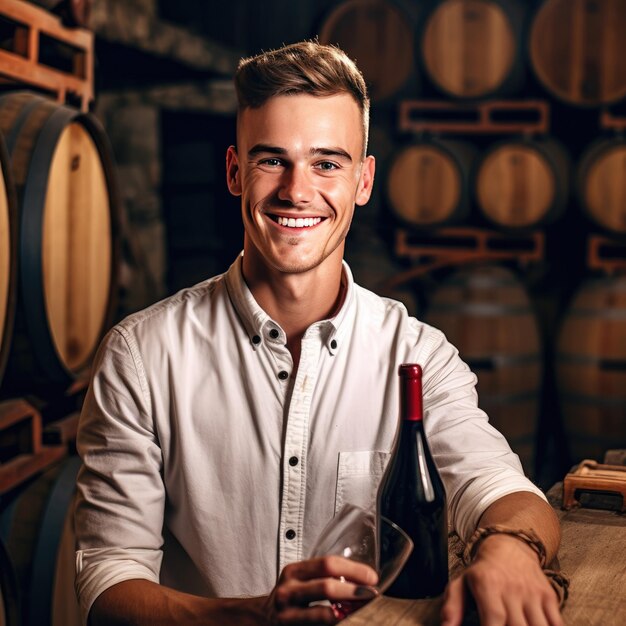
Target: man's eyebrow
{"type": "Point", "coordinates": [336, 152]}
{"type": "Point", "coordinates": [265, 148]}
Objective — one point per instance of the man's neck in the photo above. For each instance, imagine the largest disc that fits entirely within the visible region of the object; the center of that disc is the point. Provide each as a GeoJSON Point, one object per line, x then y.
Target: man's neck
{"type": "Point", "coordinates": [295, 301]}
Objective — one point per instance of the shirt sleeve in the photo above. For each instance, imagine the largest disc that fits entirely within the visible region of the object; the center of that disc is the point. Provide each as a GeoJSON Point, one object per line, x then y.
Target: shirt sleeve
{"type": "Point", "coordinates": [475, 461]}
{"type": "Point", "coordinates": [120, 491]}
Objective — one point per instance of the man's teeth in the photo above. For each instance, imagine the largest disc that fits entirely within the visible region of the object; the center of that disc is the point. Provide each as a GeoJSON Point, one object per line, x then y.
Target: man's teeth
{"type": "Point", "coordinates": [299, 222]}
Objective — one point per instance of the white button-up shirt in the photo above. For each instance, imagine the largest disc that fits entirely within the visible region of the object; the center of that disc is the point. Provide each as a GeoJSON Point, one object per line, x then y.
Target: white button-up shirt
{"type": "Point", "coordinates": [209, 463]}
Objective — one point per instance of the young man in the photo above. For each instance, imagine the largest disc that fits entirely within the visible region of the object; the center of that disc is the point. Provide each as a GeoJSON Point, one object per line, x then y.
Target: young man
{"type": "Point", "coordinates": [226, 425]}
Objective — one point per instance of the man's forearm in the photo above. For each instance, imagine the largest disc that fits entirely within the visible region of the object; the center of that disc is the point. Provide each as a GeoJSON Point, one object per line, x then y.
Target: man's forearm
{"type": "Point", "coordinates": [139, 602]}
{"type": "Point", "coordinates": [526, 511]}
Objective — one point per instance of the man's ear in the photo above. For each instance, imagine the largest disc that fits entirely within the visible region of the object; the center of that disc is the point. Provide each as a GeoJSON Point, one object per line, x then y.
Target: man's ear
{"type": "Point", "coordinates": [233, 179]}
{"type": "Point", "coordinates": [366, 181]}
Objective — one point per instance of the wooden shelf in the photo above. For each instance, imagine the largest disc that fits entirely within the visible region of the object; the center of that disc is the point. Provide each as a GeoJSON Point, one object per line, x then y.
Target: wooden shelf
{"type": "Point", "coordinates": [447, 247]}
{"type": "Point", "coordinates": [497, 116]}
{"type": "Point", "coordinates": [23, 452]}
{"type": "Point", "coordinates": [41, 53]}
{"type": "Point", "coordinates": [607, 255]}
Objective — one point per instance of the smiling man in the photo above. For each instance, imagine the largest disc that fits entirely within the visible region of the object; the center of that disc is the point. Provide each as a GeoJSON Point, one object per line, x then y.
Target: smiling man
{"type": "Point", "coordinates": [226, 425]}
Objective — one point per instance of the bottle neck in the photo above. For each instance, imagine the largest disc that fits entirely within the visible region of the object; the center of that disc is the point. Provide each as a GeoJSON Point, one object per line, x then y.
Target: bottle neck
{"type": "Point", "coordinates": [411, 399]}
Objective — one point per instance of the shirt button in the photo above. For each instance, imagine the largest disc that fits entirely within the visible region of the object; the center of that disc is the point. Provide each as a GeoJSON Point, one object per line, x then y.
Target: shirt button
{"type": "Point", "coordinates": [333, 344]}
{"type": "Point", "coordinates": [256, 339]}
{"type": "Point", "coordinates": [274, 333]}
{"type": "Point", "coordinates": [283, 374]}
{"type": "Point", "coordinates": [290, 534]}
{"type": "Point", "coordinates": [293, 461]}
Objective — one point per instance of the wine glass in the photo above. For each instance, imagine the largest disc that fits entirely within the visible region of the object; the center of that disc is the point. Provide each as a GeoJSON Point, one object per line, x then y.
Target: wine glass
{"type": "Point", "coordinates": [352, 533]}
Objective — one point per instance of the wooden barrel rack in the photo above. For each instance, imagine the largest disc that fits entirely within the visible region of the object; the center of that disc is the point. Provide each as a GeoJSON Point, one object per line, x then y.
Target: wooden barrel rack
{"type": "Point", "coordinates": [46, 55]}
{"type": "Point", "coordinates": [21, 444]}
{"type": "Point", "coordinates": [495, 116]}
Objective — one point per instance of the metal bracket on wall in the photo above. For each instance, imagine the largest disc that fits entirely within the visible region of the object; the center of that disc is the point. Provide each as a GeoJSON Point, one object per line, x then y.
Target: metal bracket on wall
{"type": "Point", "coordinates": [607, 255]}
{"type": "Point", "coordinates": [612, 122]}
{"type": "Point", "coordinates": [498, 116]}
{"type": "Point", "coordinates": [23, 454]}
{"type": "Point", "coordinates": [446, 247]}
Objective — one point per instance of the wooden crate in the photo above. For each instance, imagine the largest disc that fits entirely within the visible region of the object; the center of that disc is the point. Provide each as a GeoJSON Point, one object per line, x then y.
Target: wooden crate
{"type": "Point", "coordinates": [37, 51]}
{"type": "Point", "coordinates": [23, 453]}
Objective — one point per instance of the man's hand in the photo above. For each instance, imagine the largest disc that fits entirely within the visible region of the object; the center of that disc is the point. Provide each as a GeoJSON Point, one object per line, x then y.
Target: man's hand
{"type": "Point", "coordinates": [330, 578]}
{"type": "Point", "coordinates": [508, 585]}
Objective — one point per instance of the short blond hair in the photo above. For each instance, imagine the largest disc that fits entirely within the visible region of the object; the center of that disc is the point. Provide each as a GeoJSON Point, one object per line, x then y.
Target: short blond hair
{"type": "Point", "coordinates": [307, 67]}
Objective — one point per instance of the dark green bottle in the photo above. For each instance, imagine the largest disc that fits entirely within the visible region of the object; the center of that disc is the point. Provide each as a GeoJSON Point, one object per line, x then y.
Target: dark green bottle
{"type": "Point", "coordinates": [413, 496]}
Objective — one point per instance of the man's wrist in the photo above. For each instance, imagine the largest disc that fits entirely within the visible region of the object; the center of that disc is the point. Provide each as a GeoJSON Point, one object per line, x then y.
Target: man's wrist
{"type": "Point", "coordinates": [527, 537]}
{"type": "Point", "coordinates": [488, 535]}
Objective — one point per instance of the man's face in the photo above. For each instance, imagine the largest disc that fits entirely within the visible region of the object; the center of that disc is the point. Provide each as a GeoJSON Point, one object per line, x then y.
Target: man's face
{"type": "Point", "coordinates": [299, 172]}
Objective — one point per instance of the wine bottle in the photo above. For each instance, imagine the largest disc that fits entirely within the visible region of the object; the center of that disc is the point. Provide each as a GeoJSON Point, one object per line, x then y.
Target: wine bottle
{"type": "Point", "coordinates": [412, 495]}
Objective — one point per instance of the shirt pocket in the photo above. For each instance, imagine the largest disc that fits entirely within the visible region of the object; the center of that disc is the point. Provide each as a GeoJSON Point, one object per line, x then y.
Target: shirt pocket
{"type": "Point", "coordinates": [358, 476]}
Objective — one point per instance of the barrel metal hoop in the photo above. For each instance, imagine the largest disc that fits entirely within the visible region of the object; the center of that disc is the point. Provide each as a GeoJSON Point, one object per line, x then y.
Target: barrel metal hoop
{"type": "Point", "coordinates": [10, 589]}
{"type": "Point", "coordinates": [31, 239]}
{"type": "Point", "coordinates": [489, 400]}
{"type": "Point", "coordinates": [6, 332]}
{"type": "Point", "coordinates": [494, 360]}
{"type": "Point", "coordinates": [591, 399]}
{"type": "Point", "coordinates": [482, 309]}
{"type": "Point", "coordinates": [45, 555]}
{"type": "Point", "coordinates": [11, 137]}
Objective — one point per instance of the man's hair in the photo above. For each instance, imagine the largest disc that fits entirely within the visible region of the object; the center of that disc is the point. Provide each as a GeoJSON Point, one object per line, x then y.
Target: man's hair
{"type": "Point", "coordinates": [307, 67]}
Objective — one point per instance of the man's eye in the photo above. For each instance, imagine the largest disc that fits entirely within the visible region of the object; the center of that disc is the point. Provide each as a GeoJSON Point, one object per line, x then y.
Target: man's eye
{"type": "Point", "coordinates": [271, 162]}
{"type": "Point", "coordinates": [327, 166]}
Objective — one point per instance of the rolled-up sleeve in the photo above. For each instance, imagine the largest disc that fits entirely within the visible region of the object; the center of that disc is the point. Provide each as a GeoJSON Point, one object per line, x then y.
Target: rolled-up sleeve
{"type": "Point", "coordinates": [120, 499]}
{"type": "Point", "coordinates": [475, 461]}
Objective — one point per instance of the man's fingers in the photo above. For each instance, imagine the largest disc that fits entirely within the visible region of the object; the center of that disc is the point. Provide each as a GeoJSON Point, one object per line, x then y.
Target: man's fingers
{"type": "Point", "coordinates": [304, 592]}
{"type": "Point", "coordinates": [331, 567]}
{"type": "Point", "coordinates": [491, 609]}
{"type": "Point", "coordinates": [454, 603]}
{"type": "Point", "coordinates": [553, 612]}
{"type": "Point", "coordinates": [536, 616]}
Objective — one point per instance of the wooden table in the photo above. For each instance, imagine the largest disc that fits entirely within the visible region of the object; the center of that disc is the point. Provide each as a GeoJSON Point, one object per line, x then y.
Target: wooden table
{"type": "Point", "coordinates": [592, 555]}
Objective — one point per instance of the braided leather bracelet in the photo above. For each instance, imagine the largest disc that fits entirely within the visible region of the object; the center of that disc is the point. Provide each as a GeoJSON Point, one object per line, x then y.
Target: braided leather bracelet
{"type": "Point", "coordinates": [558, 580]}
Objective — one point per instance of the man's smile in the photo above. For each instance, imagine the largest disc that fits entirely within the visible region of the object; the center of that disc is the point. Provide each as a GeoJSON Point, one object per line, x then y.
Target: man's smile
{"type": "Point", "coordinates": [296, 222]}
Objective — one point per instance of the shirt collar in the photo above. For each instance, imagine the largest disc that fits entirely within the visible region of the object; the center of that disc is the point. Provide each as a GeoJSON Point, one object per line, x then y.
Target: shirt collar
{"type": "Point", "coordinates": [260, 326]}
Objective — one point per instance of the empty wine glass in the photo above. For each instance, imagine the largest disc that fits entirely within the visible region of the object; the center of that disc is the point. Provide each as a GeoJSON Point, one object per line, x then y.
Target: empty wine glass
{"type": "Point", "coordinates": [352, 533]}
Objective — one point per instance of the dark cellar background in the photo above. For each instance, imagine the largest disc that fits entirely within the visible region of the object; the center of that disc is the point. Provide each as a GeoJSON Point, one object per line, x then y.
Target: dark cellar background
{"type": "Point", "coordinates": [164, 95]}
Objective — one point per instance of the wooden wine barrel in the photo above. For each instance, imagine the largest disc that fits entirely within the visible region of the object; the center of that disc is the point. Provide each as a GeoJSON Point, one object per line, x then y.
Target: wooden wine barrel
{"type": "Point", "coordinates": [473, 48]}
{"type": "Point", "coordinates": [522, 183]}
{"type": "Point", "coordinates": [8, 255]}
{"type": "Point", "coordinates": [486, 313]}
{"type": "Point", "coordinates": [578, 50]}
{"type": "Point", "coordinates": [379, 37]}
{"type": "Point", "coordinates": [591, 369]}
{"type": "Point", "coordinates": [38, 531]}
{"type": "Point", "coordinates": [601, 184]}
{"type": "Point", "coordinates": [428, 183]}
{"type": "Point", "coordinates": [68, 235]}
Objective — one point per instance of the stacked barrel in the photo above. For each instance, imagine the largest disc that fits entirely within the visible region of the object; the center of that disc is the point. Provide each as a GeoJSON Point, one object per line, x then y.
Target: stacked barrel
{"type": "Point", "coordinates": [59, 251]}
{"type": "Point", "coordinates": [61, 240]}
{"type": "Point", "coordinates": [58, 266]}
{"type": "Point", "coordinates": [495, 117]}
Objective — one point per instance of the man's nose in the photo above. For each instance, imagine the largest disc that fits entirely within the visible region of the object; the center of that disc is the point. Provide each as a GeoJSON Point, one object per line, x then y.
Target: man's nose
{"type": "Point", "coordinates": [296, 185]}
